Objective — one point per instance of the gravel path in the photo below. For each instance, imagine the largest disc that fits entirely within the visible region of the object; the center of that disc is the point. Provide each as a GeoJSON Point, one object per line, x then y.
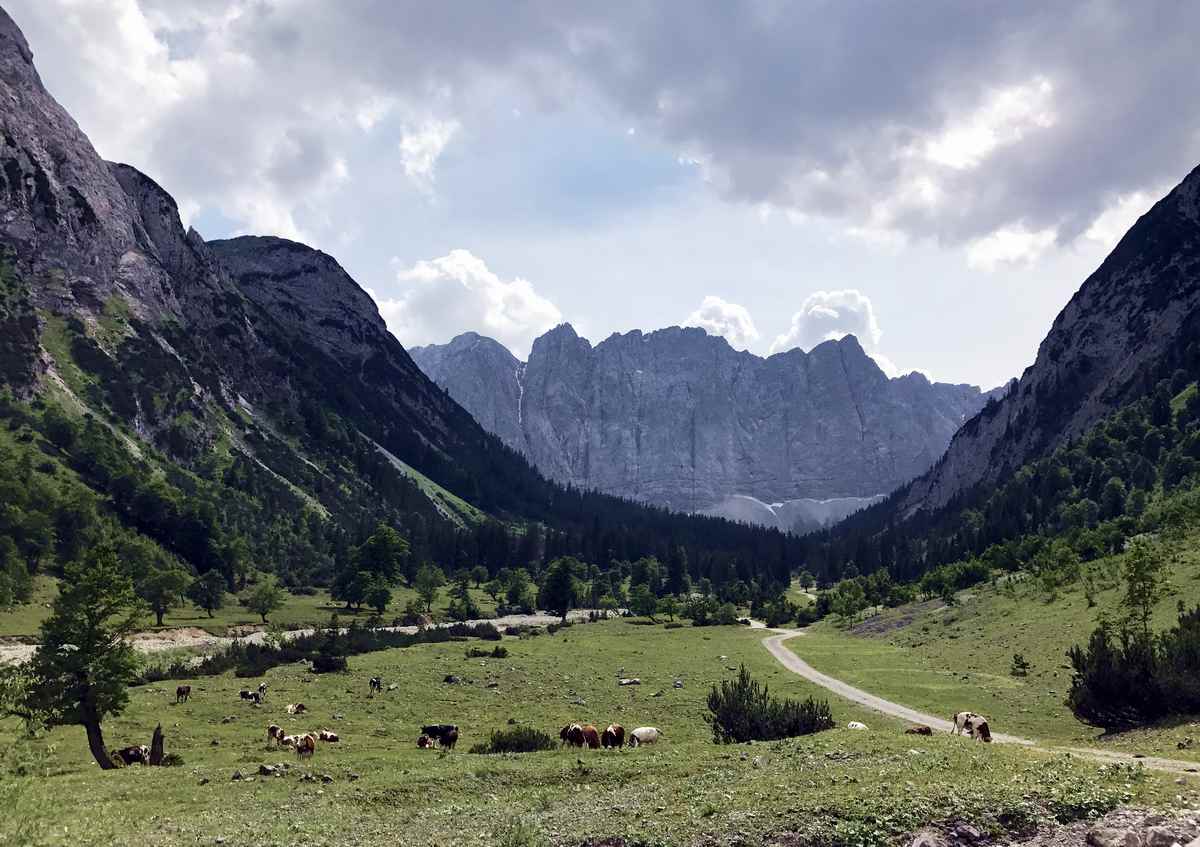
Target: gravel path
{"type": "Point", "coordinates": [155, 641]}
{"type": "Point", "coordinates": [791, 661]}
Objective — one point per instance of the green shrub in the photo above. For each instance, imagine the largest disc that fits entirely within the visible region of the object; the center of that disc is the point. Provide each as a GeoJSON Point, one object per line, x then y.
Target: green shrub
{"type": "Point", "coordinates": [518, 739]}
{"type": "Point", "coordinates": [743, 710]}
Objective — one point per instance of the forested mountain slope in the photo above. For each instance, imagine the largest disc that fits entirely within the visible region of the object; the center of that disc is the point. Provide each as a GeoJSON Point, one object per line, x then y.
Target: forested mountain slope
{"type": "Point", "coordinates": [231, 402]}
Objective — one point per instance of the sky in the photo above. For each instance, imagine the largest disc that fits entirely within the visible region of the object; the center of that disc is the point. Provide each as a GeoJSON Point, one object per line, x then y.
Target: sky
{"type": "Point", "coordinates": [937, 178]}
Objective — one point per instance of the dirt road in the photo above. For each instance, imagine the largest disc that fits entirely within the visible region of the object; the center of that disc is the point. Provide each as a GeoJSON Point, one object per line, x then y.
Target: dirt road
{"type": "Point", "coordinates": [155, 641]}
{"type": "Point", "coordinates": [791, 661]}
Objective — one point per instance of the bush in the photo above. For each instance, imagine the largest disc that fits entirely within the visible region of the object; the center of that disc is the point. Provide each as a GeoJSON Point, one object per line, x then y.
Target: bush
{"type": "Point", "coordinates": [494, 653]}
{"type": "Point", "coordinates": [1131, 677]}
{"type": "Point", "coordinates": [519, 739]}
{"type": "Point", "coordinates": [743, 710]}
{"type": "Point", "coordinates": [328, 663]}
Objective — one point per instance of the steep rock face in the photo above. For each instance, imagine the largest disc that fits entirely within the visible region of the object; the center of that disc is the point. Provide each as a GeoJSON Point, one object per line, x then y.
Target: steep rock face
{"type": "Point", "coordinates": [107, 301]}
{"type": "Point", "coordinates": [1133, 320]}
{"type": "Point", "coordinates": [489, 381]}
{"type": "Point", "coordinates": [679, 418]}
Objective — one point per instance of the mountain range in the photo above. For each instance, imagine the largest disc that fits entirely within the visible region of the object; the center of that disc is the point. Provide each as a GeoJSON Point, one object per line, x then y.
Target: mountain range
{"type": "Point", "coordinates": [678, 418]}
{"type": "Point", "coordinates": [251, 386]}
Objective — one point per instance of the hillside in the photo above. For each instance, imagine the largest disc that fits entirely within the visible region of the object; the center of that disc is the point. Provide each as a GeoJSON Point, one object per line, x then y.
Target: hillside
{"type": "Point", "coordinates": [678, 418]}
{"type": "Point", "coordinates": [240, 405]}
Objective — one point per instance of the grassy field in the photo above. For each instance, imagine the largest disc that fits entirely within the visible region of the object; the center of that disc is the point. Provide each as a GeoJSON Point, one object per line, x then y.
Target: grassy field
{"type": "Point", "coordinates": [945, 659]}
{"type": "Point", "coordinates": [841, 787]}
{"type": "Point", "coordinates": [298, 611]}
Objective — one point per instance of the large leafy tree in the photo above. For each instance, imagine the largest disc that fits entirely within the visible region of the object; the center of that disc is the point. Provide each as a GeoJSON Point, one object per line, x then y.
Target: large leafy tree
{"type": "Point", "coordinates": [208, 591]}
{"type": "Point", "coordinates": [79, 674]}
{"type": "Point", "coordinates": [162, 588]}
{"type": "Point", "coordinates": [383, 554]}
{"type": "Point", "coordinates": [561, 588]}
{"type": "Point", "coordinates": [265, 598]}
{"type": "Point", "coordinates": [428, 581]}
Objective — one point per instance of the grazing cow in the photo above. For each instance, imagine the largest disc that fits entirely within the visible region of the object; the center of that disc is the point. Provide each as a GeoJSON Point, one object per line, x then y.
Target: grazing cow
{"type": "Point", "coordinates": [644, 735]}
{"type": "Point", "coordinates": [859, 725]}
{"type": "Point", "coordinates": [571, 734]}
{"type": "Point", "coordinates": [591, 737]}
{"type": "Point", "coordinates": [613, 737]}
{"type": "Point", "coordinates": [275, 733]}
{"type": "Point", "coordinates": [182, 693]}
{"type": "Point", "coordinates": [326, 735]}
{"type": "Point", "coordinates": [246, 694]}
{"type": "Point", "coordinates": [288, 740]}
{"type": "Point", "coordinates": [446, 734]}
{"type": "Point", "coordinates": [424, 742]}
{"type": "Point", "coordinates": [296, 708]}
{"type": "Point", "coordinates": [139, 754]}
{"type": "Point", "coordinates": [306, 745]}
{"type": "Point", "coordinates": [965, 721]}
{"type": "Point", "coordinates": [376, 685]}
{"type": "Point", "coordinates": [981, 732]}
{"type": "Point", "coordinates": [262, 692]}
{"type": "Point", "coordinates": [920, 729]}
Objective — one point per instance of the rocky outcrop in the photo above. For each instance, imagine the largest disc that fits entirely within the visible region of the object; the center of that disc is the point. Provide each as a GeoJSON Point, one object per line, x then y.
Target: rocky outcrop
{"type": "Point", "coordinates": [1134, 320]}
{"type": "Point", "coordinates": [679, 418]}
{"type": "Point", "coordinates": [262, 344]}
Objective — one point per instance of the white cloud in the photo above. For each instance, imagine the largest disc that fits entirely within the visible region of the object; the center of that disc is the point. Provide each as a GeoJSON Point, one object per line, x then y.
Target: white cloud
{"type": "Point", "coordinates": [1005, 117]}
{"type": "Point", "coordinates": [443, 297]}
{"type": "Point", "coordinates": [827, 315]}
{"type": "Point", "coordinates": [730, 320]}
{"type": "Point", "coordinates": [830, 315]}
{"type": "Point", "coordinates": [1011, 245]}
{"type": "Point", "coordinates": [1115, 221]}
{"type": "Point", "coordinates": [421, 147]}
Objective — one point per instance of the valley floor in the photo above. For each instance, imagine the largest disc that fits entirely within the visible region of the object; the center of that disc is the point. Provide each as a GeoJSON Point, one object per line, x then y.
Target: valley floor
{"type": "Point", "coordinates": [941, 659]}
{"type": "Point", "coordinates": [837, 788]}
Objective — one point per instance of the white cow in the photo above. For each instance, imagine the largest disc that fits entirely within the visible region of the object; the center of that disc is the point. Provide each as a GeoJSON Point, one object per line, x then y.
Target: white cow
{"type": "Point", "coordinates": [644, 735]}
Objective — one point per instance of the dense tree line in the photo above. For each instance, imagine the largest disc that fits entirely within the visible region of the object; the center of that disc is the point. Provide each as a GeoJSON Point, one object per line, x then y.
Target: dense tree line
{"type": "Point", "coordinates": [1051, 516]}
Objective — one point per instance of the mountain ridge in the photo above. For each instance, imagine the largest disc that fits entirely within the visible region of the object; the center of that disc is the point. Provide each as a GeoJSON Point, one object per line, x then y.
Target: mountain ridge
{"type": "Point", "coordinates": [678, 417]}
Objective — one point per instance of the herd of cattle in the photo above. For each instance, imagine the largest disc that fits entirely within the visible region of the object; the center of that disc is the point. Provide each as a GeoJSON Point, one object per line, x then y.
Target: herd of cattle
{"type": "Point", "coordinates": [613, 736]}
{"type": "Point", "coordinates": [446, 735]}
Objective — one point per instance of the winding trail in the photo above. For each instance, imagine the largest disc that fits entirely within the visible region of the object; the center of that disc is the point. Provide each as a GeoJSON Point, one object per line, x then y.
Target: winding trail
{"type": "Point", "coordinates": [791, 661]}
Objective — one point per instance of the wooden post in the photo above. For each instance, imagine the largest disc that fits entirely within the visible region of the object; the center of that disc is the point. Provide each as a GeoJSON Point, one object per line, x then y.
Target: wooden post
{"type": "Point", "coordinates": [156, 746]}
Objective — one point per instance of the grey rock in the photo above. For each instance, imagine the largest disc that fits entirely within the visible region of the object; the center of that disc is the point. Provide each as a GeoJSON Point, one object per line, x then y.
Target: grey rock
{"type": "Point", "coordinates": [1113, 837]}
{"type": "Point", "coordinates": [1134, 315]}
{"type": "Point", "coordinates": [679, 418]}
{"type": "Point", "coordinates": [928, 838]}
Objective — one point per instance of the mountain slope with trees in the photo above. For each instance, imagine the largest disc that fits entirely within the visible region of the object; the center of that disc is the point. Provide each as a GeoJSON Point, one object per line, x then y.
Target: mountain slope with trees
{"type": "Point", "coordinates": [239, 407]}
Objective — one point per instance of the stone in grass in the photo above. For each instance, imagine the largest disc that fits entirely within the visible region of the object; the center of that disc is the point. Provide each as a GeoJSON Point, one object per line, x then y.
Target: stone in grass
{"type": "Point", "coordinates": [928, 838]}
{"type": "Point", "coordinates": [1104, 836]}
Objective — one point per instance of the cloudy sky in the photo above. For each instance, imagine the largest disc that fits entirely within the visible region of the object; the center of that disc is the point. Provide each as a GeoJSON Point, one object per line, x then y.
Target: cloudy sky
{"type": "Point", "coordinates": [937, 178]}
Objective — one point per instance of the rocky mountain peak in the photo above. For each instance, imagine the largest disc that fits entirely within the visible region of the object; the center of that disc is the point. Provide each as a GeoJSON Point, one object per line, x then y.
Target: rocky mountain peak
{"type": "Point", "coordinates": [679, 418]}
{"type": "Point", "coordinates": [13, 46]}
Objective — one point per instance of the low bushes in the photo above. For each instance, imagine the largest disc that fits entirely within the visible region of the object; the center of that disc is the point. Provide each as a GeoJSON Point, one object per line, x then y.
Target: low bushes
{"type": "Point", "coordinates": [743, 710]}
{"type": "Point", "coordinates": [1127, 677]}
{"type": "Point", "coordinates": [519, 739]}
{"type": "Point", "coordinates": [497, 652]}
{"type": "Point", "coordinates": [323, 648]}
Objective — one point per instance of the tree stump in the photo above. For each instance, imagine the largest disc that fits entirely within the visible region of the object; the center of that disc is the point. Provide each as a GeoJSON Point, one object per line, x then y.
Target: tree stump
{"type": "Point", "coordinates": [156, 746]}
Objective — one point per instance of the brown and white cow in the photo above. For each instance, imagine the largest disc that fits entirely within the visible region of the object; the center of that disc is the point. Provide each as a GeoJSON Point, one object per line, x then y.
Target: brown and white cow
{"type": "Point", "coordinates": [591, 737]}
{"type": "Point", "coordinates": [571, 734]}
{"type": "Point", "coordinates": [296, 708]}
{"type": "Point", "coordinates": [139, 754]}
{"type": "Point", "coordinates": [613, 737]}
{"type": "Point", "coordinates": [326, 735]}
{"type": "Point", "coordinates": [424, 742]}
{"type": "Point", "coordinates": [965, 722]}
{"type": "Point", "coordinates": [919, 729]}
{"type": "Point", "coordinates": [275, 733]}
{"type": "Point", "coordinates": [445, 733]}
{"type": "Point", "coordinates": [182, 693]}
{"type": "Point", "coordinates": [306, 745]}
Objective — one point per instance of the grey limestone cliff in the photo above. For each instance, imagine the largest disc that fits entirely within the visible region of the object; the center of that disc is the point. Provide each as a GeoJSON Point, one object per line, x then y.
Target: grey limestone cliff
{"type": "Point", "coordinates": [679, 418]}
